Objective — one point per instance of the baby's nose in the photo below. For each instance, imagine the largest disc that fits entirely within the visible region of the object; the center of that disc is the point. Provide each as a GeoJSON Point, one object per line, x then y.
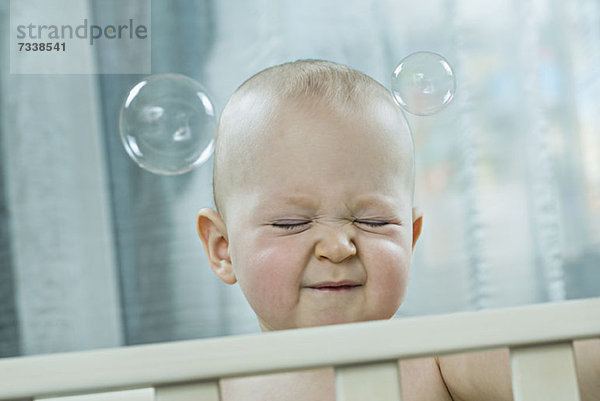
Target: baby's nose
{"type": "Point", "coordinates": [334, 245]}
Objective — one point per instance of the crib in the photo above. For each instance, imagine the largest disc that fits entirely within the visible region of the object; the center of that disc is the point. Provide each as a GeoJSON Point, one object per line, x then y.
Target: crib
{"type": "Point", "coordinates": [539, 338]}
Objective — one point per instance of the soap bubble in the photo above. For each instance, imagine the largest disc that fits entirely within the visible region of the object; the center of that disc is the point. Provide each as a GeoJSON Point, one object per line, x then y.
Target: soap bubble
{"type": "Point", "coordinates": [423, 83]}
{"type": "Point", "coordinates": [168, 124]}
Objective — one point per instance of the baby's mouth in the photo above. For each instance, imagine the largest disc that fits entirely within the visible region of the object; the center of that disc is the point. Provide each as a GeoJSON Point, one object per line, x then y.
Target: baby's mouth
{"type": "Point", "coordinates": [336, 286]}
{"type": "Point", "coordinates": [340, 288]}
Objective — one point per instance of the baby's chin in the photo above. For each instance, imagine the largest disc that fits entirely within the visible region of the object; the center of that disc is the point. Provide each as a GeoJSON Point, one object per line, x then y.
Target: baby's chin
{"type": "Point", "coordinates": [332, 320]}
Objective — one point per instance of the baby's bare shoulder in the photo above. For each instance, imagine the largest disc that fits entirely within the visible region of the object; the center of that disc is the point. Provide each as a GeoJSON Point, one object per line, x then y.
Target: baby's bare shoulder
{"type": "Point", "coordinates": [478, 375]}
{"type": "Point", "coordinates": [486, 375]}
{"type": "Point", "coordinates": [422, 381]}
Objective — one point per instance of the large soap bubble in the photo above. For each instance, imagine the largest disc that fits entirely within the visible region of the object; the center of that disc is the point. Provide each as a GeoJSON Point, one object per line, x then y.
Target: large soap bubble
{"type": "Point", "coordinates": [423, 83]}
{"type": "Point", "coordinates": [168, 124]}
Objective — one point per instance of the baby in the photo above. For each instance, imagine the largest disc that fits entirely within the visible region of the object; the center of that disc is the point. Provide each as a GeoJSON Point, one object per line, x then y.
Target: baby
{"type": "Point", "coordinates": [313, 184]}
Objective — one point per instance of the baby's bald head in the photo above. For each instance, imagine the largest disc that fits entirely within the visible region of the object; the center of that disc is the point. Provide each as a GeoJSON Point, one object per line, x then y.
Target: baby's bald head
{"type": "Point", "coordinates": [247, 123]}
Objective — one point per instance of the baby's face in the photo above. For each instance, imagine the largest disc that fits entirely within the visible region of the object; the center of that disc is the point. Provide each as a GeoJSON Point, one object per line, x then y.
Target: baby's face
{"type": "Point", "coordinates": [322, 232]}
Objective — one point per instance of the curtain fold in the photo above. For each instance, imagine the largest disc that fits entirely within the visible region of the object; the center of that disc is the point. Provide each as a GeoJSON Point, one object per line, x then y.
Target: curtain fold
{"type": "Point", "coordinates": [59, 223]}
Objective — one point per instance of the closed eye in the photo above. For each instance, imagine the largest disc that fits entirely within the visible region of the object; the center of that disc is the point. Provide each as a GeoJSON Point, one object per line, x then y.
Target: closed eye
{"type": "Point", "coordinates": [372, 223]}
{"type": "Point", "coordinates": [290, 224]}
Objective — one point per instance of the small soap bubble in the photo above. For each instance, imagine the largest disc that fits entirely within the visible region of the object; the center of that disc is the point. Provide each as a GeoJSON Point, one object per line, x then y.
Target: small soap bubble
{"type": "Point", "coordinates": [423, 83]}
{"type": "Point", "coordinates": [168, 124]}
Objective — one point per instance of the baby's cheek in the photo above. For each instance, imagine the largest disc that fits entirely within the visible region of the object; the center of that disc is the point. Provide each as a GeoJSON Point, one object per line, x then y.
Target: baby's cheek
{"type": "Point", "coordinates": [389, 274]}
{"type": "Point", "coordinates": [273, 279]}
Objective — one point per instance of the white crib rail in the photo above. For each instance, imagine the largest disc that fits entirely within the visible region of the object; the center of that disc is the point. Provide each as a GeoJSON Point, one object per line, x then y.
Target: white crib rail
{"type": "Point", "coordinates": [538, 335]}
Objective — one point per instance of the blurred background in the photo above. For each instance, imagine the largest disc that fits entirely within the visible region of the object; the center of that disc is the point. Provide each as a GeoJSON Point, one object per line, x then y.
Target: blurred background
{"type": "Point", "coordinates": [96, 252]}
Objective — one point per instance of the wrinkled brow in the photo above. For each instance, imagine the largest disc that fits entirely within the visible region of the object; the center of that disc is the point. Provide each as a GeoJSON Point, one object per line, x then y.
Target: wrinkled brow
{"type": "Point", "coordinates": [372, 201]}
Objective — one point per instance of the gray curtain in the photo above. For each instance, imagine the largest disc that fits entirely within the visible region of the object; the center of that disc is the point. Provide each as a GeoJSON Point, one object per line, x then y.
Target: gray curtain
{"type": "Point", "coordinates": [96, 252]}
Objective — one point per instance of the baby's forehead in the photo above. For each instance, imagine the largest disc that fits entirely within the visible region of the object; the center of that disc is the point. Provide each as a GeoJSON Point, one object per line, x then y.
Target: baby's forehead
{"type": "Point", "coordinates": [264, 127]}
{"type": "Point", "coordinates": [313, 151]}
{"type": "Point", "coordinates": [264, 115]}
{"type": "Point", "coordinates": [252, 133]}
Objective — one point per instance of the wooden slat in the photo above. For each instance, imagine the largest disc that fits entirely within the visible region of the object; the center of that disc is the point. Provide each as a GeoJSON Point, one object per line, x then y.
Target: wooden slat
{"type": "Point", "coordinates": [141, 394]}
{"type": "Point", "coordinates": [344, 344]}
{"type": "Point", "coordinates": [206, 391]}
{"type": "Point", "coordinates": [545, 373]}
{"type": "Point", "coordinates": [378, 381]}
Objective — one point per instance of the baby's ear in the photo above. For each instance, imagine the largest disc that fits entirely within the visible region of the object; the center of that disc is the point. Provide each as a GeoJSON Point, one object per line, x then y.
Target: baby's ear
{"type": "Point", "coordinates": [417, 217]}
{"type": "Point", "coordinates": [213, 233]}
